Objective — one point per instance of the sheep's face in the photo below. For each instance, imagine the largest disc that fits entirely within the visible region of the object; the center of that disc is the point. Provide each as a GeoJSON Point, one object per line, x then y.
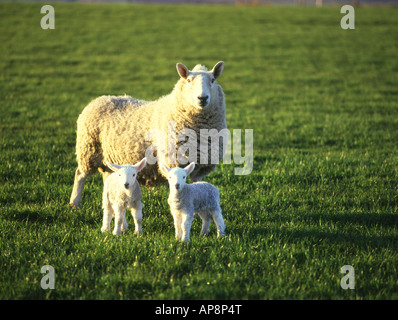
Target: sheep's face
{"type": "Point", "coordinates": [177, 177]}
{"type": "Point", "coordinates": [200, 84]}
{"type": "Point", "coordinates": [127, 174]}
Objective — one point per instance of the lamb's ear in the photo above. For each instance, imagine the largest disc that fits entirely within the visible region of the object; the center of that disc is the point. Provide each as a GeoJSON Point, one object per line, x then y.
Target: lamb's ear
{"type": "Point", "coordinates": [112, 166]}
{"type": "Point", "coordinates": [140, 165]}
{"type": "Point", "coordinates": [189, 168]}
{"type": "Point", "coordinates": [164, 168]}
{"type": "Point", "coordinates": [218, 69]}
{"type": "Point", "coordinates": [182, 70]}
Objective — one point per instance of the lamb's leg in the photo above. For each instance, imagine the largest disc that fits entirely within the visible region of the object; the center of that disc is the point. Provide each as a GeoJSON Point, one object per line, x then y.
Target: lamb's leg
{"type": "Point", "coordinates": [177, 224]}
{"type": "Point", "coordinates": [206, 221]}
{"type": "Point", "coordinates": [106, 222]}
{"type": "Point", "coordinates": [125, 225]}
{"type": "Point", "coordinates": [186, 224]}
{"type": "Point", "coordinates": [219, 221]}
{"type": "Point", "coordinates": [136, 212]}
{"type": "Point", "coordinates": [77, 192]}
{"type": "Point", "coordinates": [119, 213]}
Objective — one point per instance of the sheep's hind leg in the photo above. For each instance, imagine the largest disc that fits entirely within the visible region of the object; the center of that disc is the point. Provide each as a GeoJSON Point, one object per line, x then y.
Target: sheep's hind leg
{"type": "Point", "coordinates": [198, 174]}
{"type": "Point", "coordinates": [77, 192]}
{"type": "Point", "coordinates": [219, 221]}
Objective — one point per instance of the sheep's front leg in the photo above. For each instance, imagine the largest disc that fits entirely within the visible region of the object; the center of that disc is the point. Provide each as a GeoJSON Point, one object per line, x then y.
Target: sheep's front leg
{"type": "Point", "coordinates": [136, 212]}
{"type": "Point", "coordinates": [106, 221]}
{"type": "Point", "coordinates": [119, 214]}
{"type": "Point", "coordinates": [186, 224]}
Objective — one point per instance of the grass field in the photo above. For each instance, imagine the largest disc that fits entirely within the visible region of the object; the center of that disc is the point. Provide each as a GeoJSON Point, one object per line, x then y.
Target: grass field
{"type": "Point", "coordinates": [323, 106]}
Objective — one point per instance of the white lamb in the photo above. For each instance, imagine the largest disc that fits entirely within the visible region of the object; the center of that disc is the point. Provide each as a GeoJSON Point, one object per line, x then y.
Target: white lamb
{"type": "Point", "coordinates": [115, 129]}
{"type": "Point", "coordinates": [122, 191]}
{"type": "Point", "coordinates": [186, 199]}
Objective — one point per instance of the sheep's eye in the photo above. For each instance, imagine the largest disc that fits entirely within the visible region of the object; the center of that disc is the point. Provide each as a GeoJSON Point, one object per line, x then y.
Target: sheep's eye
{"type": "Point", "coordinates": [188, 80]}
{"type": "Point", "coordinates": [133, 174]}
{"type": "Point", "coordinates": [183, 177]}
{"type": "Point", "coordinates": [120, 175]}
{"type": "Point", "coordinates": [212, 80]}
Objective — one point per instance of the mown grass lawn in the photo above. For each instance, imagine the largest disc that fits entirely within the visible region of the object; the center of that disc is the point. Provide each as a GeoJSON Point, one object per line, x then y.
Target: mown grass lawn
{"type": "Point", "coordinates": [323, 106]}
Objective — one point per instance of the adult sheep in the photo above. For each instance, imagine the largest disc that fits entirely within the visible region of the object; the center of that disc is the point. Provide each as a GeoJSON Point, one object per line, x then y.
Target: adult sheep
{"type": "Point", "coordinates": [115, 129]}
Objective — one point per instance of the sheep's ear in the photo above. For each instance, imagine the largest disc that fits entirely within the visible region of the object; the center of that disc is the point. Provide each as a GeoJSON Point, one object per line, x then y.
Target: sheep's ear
{"type": "Point", "coordinates": [218, 69]}
{"type": "Point", "coordinates": [140, 165]}
{"type": "Point", "coordinates": [182, 70]}
{"type": "Point", "coordinates": [164, 168]}
{"type": "Point", "coordinates": [112, 166]}
{"type": "Point", "coordinates": [189, 168]}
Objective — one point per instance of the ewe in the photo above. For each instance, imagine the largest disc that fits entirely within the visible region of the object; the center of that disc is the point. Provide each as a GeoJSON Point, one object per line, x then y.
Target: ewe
{"type": "Point", "coordinates": [186, 199]}
{"type": "Point", "coordinates": [122, 191]}
{"type": "Point", "coordinates": [115, 129]}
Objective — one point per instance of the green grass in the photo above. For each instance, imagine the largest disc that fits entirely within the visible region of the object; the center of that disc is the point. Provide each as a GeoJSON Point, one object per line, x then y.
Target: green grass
{"type": "Point", "coordinates": [323, 104]}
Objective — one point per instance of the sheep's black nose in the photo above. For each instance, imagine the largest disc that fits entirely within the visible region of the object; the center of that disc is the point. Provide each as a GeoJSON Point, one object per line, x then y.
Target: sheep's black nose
{"type": "Point", "coordinates": [177, 186]}
{"type": "Point", "coordinates": [126, 185]}
{"type": "Point", "coordinates": [203, 99]}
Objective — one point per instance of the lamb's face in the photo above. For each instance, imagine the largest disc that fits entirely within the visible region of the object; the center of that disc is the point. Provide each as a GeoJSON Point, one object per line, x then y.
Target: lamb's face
{"type": "Point", "coordinates": [127, 176]}
{"type": "Point", "coordinates": [200, 84]}
{"type": "Point", "coordinates": [177, 178]}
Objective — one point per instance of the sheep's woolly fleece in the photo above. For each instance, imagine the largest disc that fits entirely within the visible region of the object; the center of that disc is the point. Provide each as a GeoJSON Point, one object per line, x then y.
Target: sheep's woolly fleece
{"type": "Point", "coordinates": [113, 128]}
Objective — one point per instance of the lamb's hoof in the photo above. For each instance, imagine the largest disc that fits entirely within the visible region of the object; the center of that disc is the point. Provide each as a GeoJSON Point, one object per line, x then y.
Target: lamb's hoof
{"type": "Point", "coordinates": [76, 207]}
{"type": "Point", "coordinates": [116, 233]}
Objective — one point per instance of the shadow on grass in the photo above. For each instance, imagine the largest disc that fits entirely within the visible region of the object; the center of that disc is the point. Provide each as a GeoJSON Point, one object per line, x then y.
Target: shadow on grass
{"type": "Point", "coordinates": [361, 230]}
{"type": "Point", "coordinates": [287, 235]}
{"type": "Point", "coordinates": [349, 229]}
{"type": "Point", "coordinates": [65, 215]}
{"type": "Point", "coordinates": [352, 240]}
{"type": "Point", "coordinates": [369, 220]}
{"type": "Point", "coordinates": [344, 219]}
